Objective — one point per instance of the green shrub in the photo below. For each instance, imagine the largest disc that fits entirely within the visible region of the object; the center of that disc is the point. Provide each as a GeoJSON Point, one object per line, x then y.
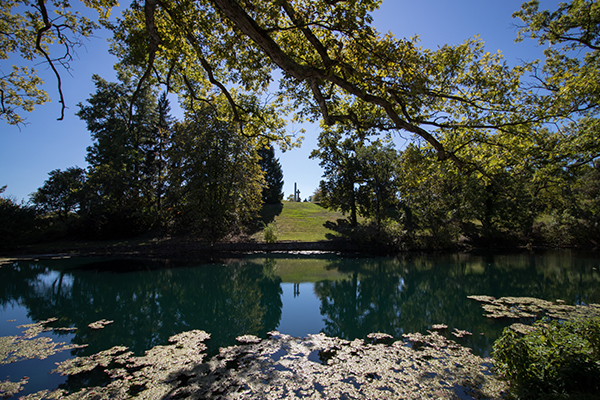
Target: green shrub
{"type": "Point", "coordinates": [18, 223]}
{"type": "Point", "coordinates": [386, 237]}
{"type": "Point", "coordinates": [557, 360]}
{"type": "Point", "coordinates": [270, 232]}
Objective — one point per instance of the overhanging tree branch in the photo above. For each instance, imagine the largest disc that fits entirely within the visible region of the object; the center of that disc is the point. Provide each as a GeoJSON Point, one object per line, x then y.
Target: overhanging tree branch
{"type": "Point", "coordinates": [248, 26]}
{"type": "Point", "coordinates": [38, 45]}
{"type": "Point", "coordinates": [154, 41]}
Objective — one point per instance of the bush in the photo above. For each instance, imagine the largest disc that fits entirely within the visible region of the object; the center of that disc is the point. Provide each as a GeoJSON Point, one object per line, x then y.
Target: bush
{"type": "Point", "coordinates": [18, 224]}
{"type": "Point", "coordinates": [557, 360]}
{"type": "Point", "coordinates": [564, 229]}
{"type": "Point", "coordinates": [386, 237]}
{"type": "Point", "coordinates": [270, 232]}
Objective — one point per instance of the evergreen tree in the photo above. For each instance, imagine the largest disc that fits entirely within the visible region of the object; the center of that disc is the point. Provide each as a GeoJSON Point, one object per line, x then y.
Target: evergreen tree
{"type": "Point", "coordinates": [273, 191]}
{"type": "Point", "coordinates": [157, 161]}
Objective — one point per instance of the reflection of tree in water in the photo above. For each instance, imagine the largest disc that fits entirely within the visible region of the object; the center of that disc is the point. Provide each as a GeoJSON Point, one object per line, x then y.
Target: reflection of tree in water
{"type": "Point", "coordinates": [394, 296]}
{"type": "Point", "coordinates": [149, 306]}
{"type": "Point", "coordinates": [410, 294]}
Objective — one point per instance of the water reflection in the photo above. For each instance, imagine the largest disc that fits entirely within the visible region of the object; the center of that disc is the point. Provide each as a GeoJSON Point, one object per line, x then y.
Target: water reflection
{"type": "Point", "coordinates": [297, 295]}
{"type": "Point", "coordinates": [412, 293]}
{"type": "Point", "coordinates": [148, 307]}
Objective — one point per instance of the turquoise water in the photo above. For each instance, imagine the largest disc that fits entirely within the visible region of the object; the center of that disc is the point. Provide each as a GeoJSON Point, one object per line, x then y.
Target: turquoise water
{"type": "Point", "coordinates": [296, 295]}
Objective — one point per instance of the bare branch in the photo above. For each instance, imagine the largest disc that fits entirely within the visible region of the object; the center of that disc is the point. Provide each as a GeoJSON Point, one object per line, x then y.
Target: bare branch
{"type": "Point", "coordinates": [38, 45]}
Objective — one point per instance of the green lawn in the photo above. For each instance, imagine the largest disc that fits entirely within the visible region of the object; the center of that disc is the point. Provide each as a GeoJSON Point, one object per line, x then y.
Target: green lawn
{"type": "Point", "coordinates": [301, 222]}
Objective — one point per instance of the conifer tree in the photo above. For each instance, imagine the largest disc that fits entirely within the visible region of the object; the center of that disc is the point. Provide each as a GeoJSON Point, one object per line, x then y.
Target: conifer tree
{"type": "Point", "coordinates": [273, 191]}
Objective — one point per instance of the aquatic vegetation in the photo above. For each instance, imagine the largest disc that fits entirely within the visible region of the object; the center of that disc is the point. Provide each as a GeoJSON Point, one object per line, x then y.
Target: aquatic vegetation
{"type": "Point", "coordinates": [461, 333]}
{"type": "Point", "coordinates": [9, 389]}
{"type": "Point", "coordinates": [35, 329]}
{"type": "Point", "coordinates": [284, 367]}
{"type": "Point", "coordinates": [246, 339]}
{"type": "Point", "coordinates": [317, 366]}
{"type": "Point", "coordinates": [79, 365]}
{"type": "Point", "coordinates": [529, 307]}
{"type": "Point", "coordinates": [100, 324]}
{"type": "Point", "coordinates": [521, 328]}
{"type": "Point", "coordinates": [556, 357]}
{"type": "Point", "coordinates": [28, 346]}
{"type": "Point", "coordinates": [439, 327]}
{"type": "Point", "coordinates": [380, 338]}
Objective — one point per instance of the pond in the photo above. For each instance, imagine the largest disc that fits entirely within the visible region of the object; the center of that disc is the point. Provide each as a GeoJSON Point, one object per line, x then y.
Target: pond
{"type": "Point", "coordinates": [149, 301]}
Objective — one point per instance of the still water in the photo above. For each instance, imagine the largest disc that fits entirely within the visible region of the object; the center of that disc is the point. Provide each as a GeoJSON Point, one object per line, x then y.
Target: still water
{"type": "Point", "coordinates": [294, 294]}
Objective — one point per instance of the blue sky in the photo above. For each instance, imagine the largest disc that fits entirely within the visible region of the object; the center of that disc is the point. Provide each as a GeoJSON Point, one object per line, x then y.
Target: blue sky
{"type": "Point", "coordinates": [44, 144]}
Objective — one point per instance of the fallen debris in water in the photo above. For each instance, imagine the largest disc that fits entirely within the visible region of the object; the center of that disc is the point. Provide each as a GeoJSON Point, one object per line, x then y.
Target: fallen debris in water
{"type": "Point", "coordinates": [380, 338]}
{"type": "Point", "coordinates": [460, 334]}
{"type": "Point", "coordinates": [522, 328]}
{"type": "Point", "coordinates": [439, 327]}
{"type": "Point", "coordinates": [103, 359]}
{"type": "Point", "coordinates": [28, 346]}
{"type": "Point", "coordinates": [33, 330]}
{"type": "Point", "coordinates": [247, 339]}
{"type": "Point", "coordinates": [284, 367]}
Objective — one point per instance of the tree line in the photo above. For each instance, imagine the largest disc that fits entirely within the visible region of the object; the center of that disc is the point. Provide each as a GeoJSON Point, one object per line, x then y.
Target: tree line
{"type": "Point", "coordinates": [199, 176]}
{"type": "Point", "coordinates": [407, 199]}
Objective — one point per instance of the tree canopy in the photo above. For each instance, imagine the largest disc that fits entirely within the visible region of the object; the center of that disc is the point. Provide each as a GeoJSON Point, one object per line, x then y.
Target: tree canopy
{"type": "Point", "coordinates": [522, 132]}
{"type": "Point", "coordinates": [337, 68]}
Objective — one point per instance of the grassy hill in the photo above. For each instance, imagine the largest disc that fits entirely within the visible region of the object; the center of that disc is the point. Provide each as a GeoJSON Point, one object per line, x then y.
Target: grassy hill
{"type": "Point", "coordinates": [303, 222]}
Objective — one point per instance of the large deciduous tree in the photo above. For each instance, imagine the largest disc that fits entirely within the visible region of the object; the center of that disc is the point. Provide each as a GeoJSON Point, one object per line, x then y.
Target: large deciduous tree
{"type": "Point", "coordinates": [378, 190]}
{"type": "Point", "coordinates": [120, 190]}
{"type": "Point", "coordinates": [335, 67]}
{"type": "Point", "coordinates": [215, 181]}
{"type": "Point", "coordinates": [341, 172]}
{"type": "Point", "coordinates": [359, 173]}
{"type": "Point", "coordinates": [61, 192]}
{"type": "Point", "coordinates": [569, 78]}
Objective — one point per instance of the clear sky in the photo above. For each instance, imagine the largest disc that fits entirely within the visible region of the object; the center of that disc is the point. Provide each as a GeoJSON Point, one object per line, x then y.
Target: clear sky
{"type": "Point", "coordinates": [44, 144]}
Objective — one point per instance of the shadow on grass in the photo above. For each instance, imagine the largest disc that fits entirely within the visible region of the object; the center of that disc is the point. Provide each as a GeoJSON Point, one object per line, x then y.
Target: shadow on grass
{"type": "Point", "coordinates": [341, 226]}
{"type": "Point", "coordinates": [267, 215]}
{"type": "Point", "coordinates": [269, 212]}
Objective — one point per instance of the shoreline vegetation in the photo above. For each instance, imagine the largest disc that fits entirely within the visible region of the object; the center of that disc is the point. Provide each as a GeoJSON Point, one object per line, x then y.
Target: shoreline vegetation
{"type": "Point", "coordinates": [283, 367]}
{"type": "Point", "coordinates": [291, 227]}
